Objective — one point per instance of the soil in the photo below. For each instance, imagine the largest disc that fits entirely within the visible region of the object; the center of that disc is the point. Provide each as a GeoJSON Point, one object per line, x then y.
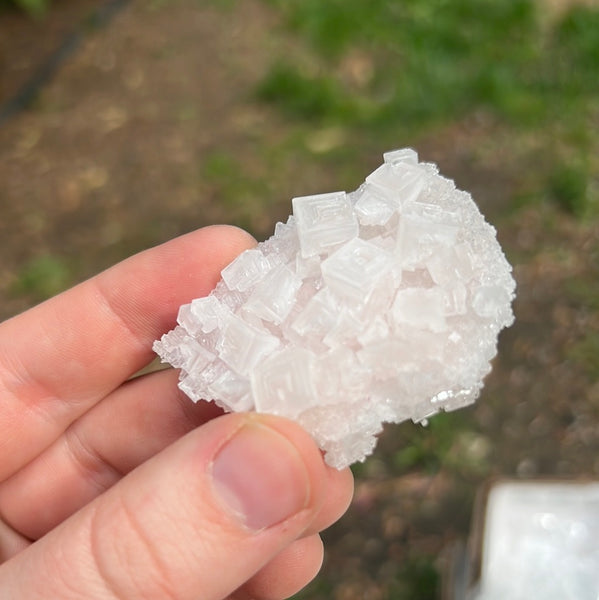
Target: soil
{"type": "Point", "coordinates": [107, 160]}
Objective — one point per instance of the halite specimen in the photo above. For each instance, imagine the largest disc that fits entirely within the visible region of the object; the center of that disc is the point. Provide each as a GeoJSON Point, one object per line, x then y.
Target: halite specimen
{"type": "Point", "coordinates": [376, 306]}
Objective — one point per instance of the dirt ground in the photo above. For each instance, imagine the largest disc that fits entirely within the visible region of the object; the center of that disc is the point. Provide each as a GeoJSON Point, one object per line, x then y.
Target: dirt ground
{"type": "Point", "coordinates": [109, 158]}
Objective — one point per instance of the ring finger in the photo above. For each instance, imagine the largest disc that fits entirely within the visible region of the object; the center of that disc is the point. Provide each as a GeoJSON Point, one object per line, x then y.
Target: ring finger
{"type": "Point", "coordinates": [128, 427]}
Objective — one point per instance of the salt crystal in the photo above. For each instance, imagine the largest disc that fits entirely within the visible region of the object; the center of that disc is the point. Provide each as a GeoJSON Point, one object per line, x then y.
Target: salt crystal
{"type": "Point", "coordinates": [242, 345]}
{"type": "Point", "coordinates": [324, 222]}
{"type": "Point", "coordinates": [376, 306]}
{"type": "Point", "coordinates": [232, 390]}
{"type": "Point", "coordinates": [249, 269]}
{"type": "Point", "coordinates": [274, 296]}
{"type": "Point", "coordinates": [285, 383]}
{"type": "Point", "coordinates": [406, 155]}
{"type": "Point", "coordinates": [372, 207]}
{"type": "Point", "coordinates": [423, 308]}
{"type": "Point", "coordinates": [354, 270]}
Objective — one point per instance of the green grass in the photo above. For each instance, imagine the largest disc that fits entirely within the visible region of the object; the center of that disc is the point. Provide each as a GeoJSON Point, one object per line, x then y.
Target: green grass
{"type": "Point", "coordinates": [432, 62]}
{"type": "Point", "coordinates": [586, 353]}
{"type": "Point", "coordinates": [304, 96]}
{"type": "Point", "coordinates": [585, 292]}
{"type": "Point", "coordinates": [243, 195]}
{"type": "Point", "coordinates": [568, 187]}
{"type": "Point", "coordinates": [35, 8]}
{"type": "Point", "coordinates": [432, 59]}
{"type": "Point", "coordinates": [417, 578]}
{"type": "Point", "coordinates": [447, 441]}
{"type": "Point", "coordinates": [42, 277]}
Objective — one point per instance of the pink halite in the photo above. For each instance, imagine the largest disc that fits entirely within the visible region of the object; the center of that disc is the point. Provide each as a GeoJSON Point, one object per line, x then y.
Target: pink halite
{"type": "Point", "coordinates": [376, 306]}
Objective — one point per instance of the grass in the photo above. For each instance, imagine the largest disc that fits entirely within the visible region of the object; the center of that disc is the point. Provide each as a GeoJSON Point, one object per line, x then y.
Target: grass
{"type": "Point", "coordinates": [418, 578]}
{"type": "Point", "coordinates": [304, 96]}
{"type": "Point", "coordinates": [35, 8]}
{"type": "Point", "coordinates": [431, 62]}
{"type": "Point", "coordinates": [446, 442]}
{"type": "Point", "coordinates": [585, 352]}
{"type": "Point", "coordinates": [42, 277]}
{"type": "Point", "coordinates": [243, 194]}
{"type": "Point", "coordinates": [568, 187]}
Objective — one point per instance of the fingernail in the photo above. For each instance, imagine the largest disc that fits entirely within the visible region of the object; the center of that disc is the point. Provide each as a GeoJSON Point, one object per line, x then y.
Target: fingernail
{"type": "Point", "coordinates": [260, 477]}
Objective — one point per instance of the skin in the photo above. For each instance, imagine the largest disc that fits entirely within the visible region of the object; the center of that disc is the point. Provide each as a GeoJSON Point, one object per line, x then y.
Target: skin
{"type": "Point", "coordinates": [114, 488]}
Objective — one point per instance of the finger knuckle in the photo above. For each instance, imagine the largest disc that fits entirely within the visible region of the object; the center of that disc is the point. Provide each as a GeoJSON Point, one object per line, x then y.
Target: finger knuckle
{"type": "Point", "coordinates": [127, 559]}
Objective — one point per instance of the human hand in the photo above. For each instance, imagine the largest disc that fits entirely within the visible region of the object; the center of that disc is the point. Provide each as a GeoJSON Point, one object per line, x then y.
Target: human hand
{"type": "Point", "coordinates": [121, 489]}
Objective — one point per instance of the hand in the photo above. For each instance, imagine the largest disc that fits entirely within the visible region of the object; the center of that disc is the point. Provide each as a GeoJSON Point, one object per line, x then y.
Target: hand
{"type": "Point", "coordinates": [113, 488]}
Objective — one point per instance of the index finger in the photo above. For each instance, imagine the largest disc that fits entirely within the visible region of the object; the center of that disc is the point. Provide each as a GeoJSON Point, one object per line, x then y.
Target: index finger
{"type": "Point", "coordinates": [63, 356]}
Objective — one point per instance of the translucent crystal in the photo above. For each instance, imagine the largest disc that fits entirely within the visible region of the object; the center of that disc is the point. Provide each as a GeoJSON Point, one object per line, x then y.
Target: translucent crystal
{"type": "Point", "coordinates": [318, 317]}
{"type": "Point", "coordinates": [404, 155]}
{"type": "Point", "coordinates": [420, 237]}
{"type": "Point", "coordinates": [420, 307]}
{"type": "Point", "coordinates": [400, 180]}
{"type": "Point", "coordinates": [324, 222]}
{"type": "Point", "coordinates": [242, 345]}
{"type": "Point", "coordinates": [232, 390]}
{"type": "Point", "coordinates": [284, 384]}
{"type": "Point", "coordinates": [274, 297]}
{"type": "Point", "coordinates": [354, 270]}
{"type": "Point", "coordinates": [374, 208]}
{"type": "Point", "coordinates": [249, 268]}
{"type": "Point", "coordinates": [376, 306]}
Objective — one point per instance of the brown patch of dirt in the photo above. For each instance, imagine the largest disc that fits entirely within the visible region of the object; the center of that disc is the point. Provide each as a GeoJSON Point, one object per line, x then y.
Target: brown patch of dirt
{"type": "Point", "coordinates": [559, 7]}
{"type": "Point", "coordinates": [26, 43]}
{"type": "Point", "coordinates": [109, 158]}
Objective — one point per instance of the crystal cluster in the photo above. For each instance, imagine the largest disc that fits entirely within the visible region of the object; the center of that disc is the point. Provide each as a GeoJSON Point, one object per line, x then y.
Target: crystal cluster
{"type": "Point", "coordinates": [376, 306]}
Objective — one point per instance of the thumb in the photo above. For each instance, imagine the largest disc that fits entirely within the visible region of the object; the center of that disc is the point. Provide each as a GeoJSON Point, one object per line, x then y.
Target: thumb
{"type": "Point", "coordinates": [196, 521]}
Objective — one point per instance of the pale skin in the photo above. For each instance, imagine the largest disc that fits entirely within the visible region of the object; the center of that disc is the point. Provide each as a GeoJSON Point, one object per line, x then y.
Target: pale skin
{"type": "Point", "coordinates": [118, 488]}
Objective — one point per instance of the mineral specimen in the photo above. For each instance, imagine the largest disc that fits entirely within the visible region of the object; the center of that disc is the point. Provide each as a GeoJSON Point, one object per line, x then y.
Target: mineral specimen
{"type": "Point", "coordinates": [376, 306]}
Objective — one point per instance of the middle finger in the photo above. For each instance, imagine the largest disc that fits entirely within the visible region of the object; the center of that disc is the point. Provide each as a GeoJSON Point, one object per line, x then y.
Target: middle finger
{"type": "Point", "coordinates": [128, 427]}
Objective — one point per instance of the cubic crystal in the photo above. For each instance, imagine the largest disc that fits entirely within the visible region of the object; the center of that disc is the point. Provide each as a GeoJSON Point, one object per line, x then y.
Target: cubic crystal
{"type": "Point", "coordinates": [376, 306]}
{"type": "Point", "coordinates": [324, 222]}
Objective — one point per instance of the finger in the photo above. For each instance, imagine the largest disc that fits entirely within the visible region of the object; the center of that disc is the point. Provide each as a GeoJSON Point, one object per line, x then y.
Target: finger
{"type": "Point", "coordinates": [129, 426]}
{"type": "Point", "coordinates": [11, 542]}
{"type": "Point", "coordinates": [340, 488]}
{"type": "Point", "coordinates": [61, 357]}
{"type": "Point", "coordinates": [287, 573]}
{"type": "Point", "coordinates": [196, 521]}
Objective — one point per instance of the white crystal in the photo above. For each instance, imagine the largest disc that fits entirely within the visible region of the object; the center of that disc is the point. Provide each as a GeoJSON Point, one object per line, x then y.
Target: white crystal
{"type": "Point", "coordinates": [324, 222]}
{"type": "Point", "coordinates": [373, 207]}
{"type": "Point", "coordinates": [423, 308]}
{"type": "Point", "coordinates": [274, 296]}
{"type": "Point", "coordinates": [249, 269]}
{"type": "Point", "coordinates": [242, 345]}
{"type": "Point", "coordinates": [376, 306]}
{"type": "Point", "coordinates": [284, 384]}
{"type": "Point", "coordinates": [400, 181]}
{"type": "Point", "coordinates": [318, 317]}
{"type": "Point", "coordinates": [405, 155]}
{"type": "Point", "coordinates": [354, 270]}
{"type": "Point", "coordinates": [232, 390]}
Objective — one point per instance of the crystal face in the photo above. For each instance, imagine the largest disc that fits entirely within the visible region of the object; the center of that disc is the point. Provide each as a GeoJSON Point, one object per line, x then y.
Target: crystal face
{"type": "Point", "coordinates": [323, 222]}
{"type": "Point", "coordinates": [376, 306]}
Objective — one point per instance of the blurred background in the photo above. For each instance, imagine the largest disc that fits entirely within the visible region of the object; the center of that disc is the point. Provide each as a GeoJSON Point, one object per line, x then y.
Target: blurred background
{"type": "Point", "coordinates": [125, 123]}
